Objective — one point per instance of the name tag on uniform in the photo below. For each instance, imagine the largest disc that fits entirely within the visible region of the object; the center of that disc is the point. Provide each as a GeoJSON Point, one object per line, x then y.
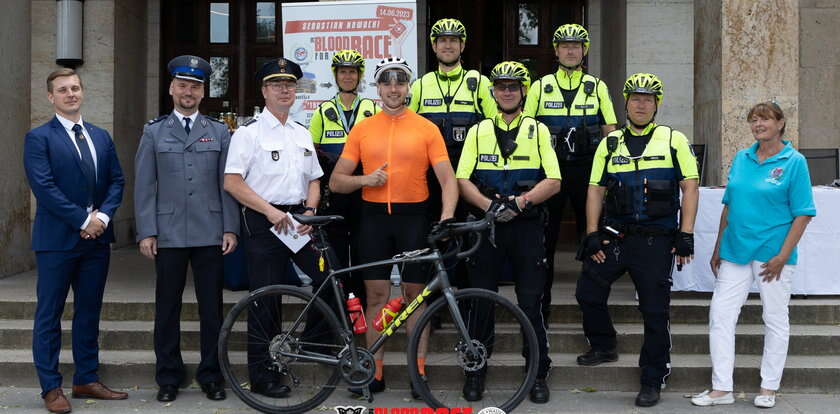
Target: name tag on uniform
{"type": "Point", "coordinates": [459, 133]}
{"type": "Point", "coordinates": [275, 155]}
{"type": "Point", "coordinates": [553, 104]}
{"type": "Point", "coordinates": [307, 153]}
{"type": "Point", "coordinates": [334, 133]}
{"type": "Point", "coordinates": [457, 102]}
{"type": "Point", "coordinates": [654, 158]}
{"type": "Point", "coordinates": [587, 106]}
{"type": "Point", "coordinates": [171, 141]}
{"type": "Point", "coordinates": [488, 157]}
{"type": "Point", "coordinates": [619, 160]}
{"type": "Point", "coordinates": [521, 158]}
{"type": "Point", "coordinates": [432, 102]}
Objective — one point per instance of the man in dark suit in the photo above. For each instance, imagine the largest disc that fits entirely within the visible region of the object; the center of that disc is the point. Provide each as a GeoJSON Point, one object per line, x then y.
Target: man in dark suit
{"type": "Point", "coordinates": [184, 216]}
{"type": "Point", "coordinates": [73, 171]}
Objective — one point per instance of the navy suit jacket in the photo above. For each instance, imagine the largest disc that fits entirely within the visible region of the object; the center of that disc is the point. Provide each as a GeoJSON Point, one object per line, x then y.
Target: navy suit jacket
{"type": "Point", "coordinates": [54, 171]}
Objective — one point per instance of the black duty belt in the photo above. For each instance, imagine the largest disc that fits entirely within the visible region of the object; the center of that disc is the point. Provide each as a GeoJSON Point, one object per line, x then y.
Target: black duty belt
{"type": "Point", "coordinates": [639, 230]}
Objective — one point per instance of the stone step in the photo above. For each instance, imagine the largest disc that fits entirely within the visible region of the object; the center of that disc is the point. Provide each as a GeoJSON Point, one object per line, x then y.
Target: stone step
{"type": "Point", "coordinates": [686, 338]}
{"type": "Point", "coordinates": [685, 308]}
{"type": "Point", "coordinates": [691, 373]}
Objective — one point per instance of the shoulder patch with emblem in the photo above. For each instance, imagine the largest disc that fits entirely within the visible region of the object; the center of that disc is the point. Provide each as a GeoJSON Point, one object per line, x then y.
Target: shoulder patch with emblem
{"type": "Point", "coordinates": [158, 119]}
{"type": "Point", "coordinates": [249, 122]}
{"type": "Point", "coordinates": [215, 120]}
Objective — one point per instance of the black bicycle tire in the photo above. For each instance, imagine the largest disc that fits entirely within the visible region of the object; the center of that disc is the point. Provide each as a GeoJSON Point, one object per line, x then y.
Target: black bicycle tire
{"type": "Point", "coordinates": [525, 325]}
{"type": "Point", "coordinates": [224, 360]}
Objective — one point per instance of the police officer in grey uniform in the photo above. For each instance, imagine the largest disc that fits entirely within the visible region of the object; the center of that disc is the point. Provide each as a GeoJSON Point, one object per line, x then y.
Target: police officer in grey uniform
{"type": "Point", "coordinates": [183, 216]}
{"type": "Point", "coordinates": [273, 170]}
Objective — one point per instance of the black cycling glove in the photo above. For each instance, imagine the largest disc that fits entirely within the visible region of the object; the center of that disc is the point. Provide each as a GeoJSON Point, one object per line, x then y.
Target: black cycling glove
{"type": "Point", "coordinates": [684, 244]}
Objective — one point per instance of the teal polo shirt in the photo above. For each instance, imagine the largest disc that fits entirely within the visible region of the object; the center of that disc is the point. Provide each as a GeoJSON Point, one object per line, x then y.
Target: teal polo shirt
{"type": "Point", "coordinates": [763, 199]}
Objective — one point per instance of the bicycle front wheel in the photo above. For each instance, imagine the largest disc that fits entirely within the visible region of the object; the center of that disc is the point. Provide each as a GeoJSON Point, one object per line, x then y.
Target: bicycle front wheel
{"type": "Point", "coordinates": [260, 344]}
{"type": "Point", "coordinates": [504, 352]}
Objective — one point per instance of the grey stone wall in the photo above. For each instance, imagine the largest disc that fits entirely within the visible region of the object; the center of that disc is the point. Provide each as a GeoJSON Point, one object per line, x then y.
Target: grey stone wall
{"type": "Point", "coordinates": [15, 255]}
{"type": "Point", "coordinates": [707, 84]}
{"type": "Point", "coordinates": [819, 70]}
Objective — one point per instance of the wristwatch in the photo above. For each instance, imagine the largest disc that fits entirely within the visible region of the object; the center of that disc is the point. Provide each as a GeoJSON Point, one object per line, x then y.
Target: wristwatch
{"type": "Point", "coordinates": [312, 209]}
{"type": "Point", "coordinates": [528, 203]}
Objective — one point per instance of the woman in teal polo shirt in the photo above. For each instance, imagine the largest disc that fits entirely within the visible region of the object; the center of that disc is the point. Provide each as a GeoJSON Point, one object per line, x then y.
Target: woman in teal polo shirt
{"type": "Point", "coordinates": [767, 205]}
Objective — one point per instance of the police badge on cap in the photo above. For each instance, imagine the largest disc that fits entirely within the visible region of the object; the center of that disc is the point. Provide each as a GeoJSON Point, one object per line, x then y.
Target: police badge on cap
{"type": "Point", "coordinates": [189, 67]}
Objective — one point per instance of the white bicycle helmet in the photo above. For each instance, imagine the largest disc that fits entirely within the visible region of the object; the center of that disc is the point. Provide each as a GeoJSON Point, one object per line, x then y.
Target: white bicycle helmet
{"type": "Point", "coordinates": [392, 63]}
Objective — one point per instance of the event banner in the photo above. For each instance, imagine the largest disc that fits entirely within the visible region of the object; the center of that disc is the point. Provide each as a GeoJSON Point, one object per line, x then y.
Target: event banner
{"type": "Point", "coordinates": [313, 32]}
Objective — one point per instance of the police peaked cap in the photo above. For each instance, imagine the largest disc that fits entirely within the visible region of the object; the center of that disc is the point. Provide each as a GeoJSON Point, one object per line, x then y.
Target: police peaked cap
{"type": "Point", "coordinates": [279, 68]}
{"type": "Point", "coordinates": [189, 67]}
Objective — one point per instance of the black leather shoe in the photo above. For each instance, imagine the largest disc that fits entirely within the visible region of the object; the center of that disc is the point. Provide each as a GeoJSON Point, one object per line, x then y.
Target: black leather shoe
{"type": "Point", "coordinates": [594, 357]}
{"type": "Point", "coordinates": [540, 393]}
{"type": "Point", "coordinates": [415, 394]}
{"type": "Point", "coordinates": [474, 387]}
{"type": "Point", "coordinates": [272, 389]}
{"type": "Point", "coordinates": [214, 390]}
{"type": "Point", "coordinates": [374, 387]}
{"type": "Point", "coordinates": [648, 396]}
{"type": "Point", "coordinates": [167, 393]}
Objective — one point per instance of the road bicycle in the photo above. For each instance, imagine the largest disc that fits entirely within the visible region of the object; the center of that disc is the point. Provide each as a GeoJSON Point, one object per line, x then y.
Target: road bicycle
{"type": "Point", "coordinates": [310, 344]}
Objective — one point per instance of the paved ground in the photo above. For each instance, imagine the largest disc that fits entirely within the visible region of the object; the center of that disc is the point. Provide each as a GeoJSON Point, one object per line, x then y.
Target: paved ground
{"type": "Point", "coordinates": [26, 400]}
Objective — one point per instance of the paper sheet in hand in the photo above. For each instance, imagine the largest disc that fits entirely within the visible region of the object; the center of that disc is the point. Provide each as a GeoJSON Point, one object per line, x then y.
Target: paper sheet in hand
{"type": "Point", "coordinates": [291, 238]}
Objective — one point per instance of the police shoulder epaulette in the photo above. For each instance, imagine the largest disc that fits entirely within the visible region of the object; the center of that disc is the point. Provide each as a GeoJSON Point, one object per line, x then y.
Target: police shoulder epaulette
{"type": "Point", "coordinates": [249, 122]}
{"type": "Point", "coordinates": [158, 119]}
{"type": "Point", "coordinates": [214, 119]}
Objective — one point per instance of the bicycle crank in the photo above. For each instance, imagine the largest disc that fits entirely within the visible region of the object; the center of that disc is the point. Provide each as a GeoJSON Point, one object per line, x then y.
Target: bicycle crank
{"type": "Point", "coordinates": [361, 376]}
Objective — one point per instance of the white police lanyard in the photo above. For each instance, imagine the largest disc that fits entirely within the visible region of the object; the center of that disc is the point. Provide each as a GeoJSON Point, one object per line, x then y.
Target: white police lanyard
{"type": "Point", "coordinates": [346, 123]}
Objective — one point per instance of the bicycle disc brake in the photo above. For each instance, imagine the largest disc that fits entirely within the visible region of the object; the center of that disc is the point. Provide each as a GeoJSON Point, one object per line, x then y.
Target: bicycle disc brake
{"type": "Point", "coordinates": [471, 363]}
{"type": "Point", "coordinates": [362, 376]}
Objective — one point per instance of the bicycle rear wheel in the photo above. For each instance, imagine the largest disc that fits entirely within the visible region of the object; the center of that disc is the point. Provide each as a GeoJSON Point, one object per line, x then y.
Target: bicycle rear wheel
{"type": "Point", "coordinates": [259, 328]}
{"type": "Point", "coordinates": [508, 352]}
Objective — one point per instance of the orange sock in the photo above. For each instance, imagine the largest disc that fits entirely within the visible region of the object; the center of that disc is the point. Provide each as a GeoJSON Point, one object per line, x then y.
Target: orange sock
{"type": "Point", "coordinates": [380, 365]}
{"type": "Point", "coordinates": [421, 366]}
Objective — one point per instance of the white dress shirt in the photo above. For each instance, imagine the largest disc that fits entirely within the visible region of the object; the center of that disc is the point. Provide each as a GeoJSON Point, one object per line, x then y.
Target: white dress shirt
{"type": "Point", "coordinates": [68, 127]}
{"type": "Point", "coordinates": [192, 118]}
{"type": "Point", "coordinates": [276, 160]}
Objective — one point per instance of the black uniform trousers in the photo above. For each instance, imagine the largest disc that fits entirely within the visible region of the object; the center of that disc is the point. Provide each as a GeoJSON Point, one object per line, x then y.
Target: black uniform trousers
{"type": "Point", "coordinates": [208, 275]}
{"type": "Point", "coordinates": [521, 243]}
{"type": "Point", "coordinates": [268, 264]}
{"type": "Point", "coordinates": [575, 175]}
{"type": "Point", "coordinates": [343, 237]}
{"type": "Point", "coordinates": [649, 261]}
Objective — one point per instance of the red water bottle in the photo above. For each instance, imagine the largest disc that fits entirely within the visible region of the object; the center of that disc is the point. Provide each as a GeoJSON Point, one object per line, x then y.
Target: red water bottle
{"type": "Point", "coordinates": [357, 315]}
{"type": "Point", "coordinates": [387, 314]}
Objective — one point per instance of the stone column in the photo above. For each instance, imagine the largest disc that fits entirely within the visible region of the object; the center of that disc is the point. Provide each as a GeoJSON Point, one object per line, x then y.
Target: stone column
{"type": "Point", "coordinates": [14, 116]}
{"type": "Point", "coordinates": [745, 52]}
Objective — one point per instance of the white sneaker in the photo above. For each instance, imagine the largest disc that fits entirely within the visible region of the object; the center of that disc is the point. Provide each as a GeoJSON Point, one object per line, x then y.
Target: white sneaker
{"type": "Point", "coordinates": [765, 401]}
{"type": "Point", "coordinates": [704, 400]}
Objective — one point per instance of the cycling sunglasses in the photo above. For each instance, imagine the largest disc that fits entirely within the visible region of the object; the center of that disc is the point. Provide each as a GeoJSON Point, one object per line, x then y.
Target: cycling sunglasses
{"type": "Point", "coordinates": [393, 75]}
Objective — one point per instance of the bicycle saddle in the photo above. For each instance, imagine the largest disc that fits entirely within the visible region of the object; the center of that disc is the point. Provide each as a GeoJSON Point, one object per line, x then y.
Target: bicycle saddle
{"type": "Point", "coordinates": [316, 220]}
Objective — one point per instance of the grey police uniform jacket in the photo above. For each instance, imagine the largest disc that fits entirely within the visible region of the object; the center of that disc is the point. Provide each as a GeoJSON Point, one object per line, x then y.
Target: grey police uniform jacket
{"type": "Point", "coordinates": [178, 192]}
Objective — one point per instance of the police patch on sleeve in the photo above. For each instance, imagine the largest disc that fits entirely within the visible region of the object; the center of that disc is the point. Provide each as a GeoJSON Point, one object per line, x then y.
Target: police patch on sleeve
{"type": "Point", "coordinates": [459, 133]}
{"type": "Point", "coordinates": [488, 158]}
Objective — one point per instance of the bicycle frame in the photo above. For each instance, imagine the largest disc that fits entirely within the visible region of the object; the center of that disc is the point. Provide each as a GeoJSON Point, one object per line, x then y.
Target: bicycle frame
{"type": "Point", "coordinates": [440, 282]}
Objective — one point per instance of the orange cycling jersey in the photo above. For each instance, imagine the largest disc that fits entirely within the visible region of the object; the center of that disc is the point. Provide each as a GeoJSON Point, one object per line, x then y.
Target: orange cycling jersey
{"type": "Point", "coordinates": [408, 143]}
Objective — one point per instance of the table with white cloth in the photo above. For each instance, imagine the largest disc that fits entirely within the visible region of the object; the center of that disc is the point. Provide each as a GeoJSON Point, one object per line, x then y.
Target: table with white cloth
{"type": "Point", "coordinates": [818, 266]}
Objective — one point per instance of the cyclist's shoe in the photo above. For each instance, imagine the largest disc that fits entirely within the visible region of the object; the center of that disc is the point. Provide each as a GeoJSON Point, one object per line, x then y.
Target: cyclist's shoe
{"type": "Point", "coordinates": [648, 396]}
{"type": "Point", "coordinates": [415, 394]}
{"type": "Point", "coordinates": [374, 387]}
{"type": "Point", "coordinates": [474, 387]}
{"type": "Point", "coordinates": [272, 389]}
{"type": "Point", "coordinates": [594, 357]}
{"type": "Point", "coordinates": [540, 393]}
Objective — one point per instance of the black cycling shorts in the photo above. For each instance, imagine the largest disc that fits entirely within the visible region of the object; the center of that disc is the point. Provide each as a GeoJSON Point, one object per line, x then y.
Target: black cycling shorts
{"type": "Point", "coordinates": [383, 235]}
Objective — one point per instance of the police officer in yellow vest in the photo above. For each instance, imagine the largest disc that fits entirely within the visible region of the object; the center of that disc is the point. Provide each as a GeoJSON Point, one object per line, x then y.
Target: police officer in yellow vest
{"type": "Point", "coordinates": [577, 109]}
{"type": "Point", "coordinates": [637, 175]}
{"type": "Point", "coordinates": [329, 126]}
{"type": "Point", "coordinates": [509, 167]}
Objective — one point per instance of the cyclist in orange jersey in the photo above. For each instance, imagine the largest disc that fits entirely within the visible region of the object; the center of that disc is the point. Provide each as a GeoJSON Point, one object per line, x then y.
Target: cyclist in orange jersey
{"type": "Point", "coordinates": [396, 148]}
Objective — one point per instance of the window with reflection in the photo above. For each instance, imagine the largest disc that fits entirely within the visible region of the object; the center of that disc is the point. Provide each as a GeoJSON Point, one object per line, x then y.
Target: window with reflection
{"type": "Point", "coordinates": [219, 22]}
{"type": "Point", "coordinates": [220, 77]}
{"type": "Point", "coordinates": [529, 23]}
{"type": "Point", "coordinates": [266, 22]}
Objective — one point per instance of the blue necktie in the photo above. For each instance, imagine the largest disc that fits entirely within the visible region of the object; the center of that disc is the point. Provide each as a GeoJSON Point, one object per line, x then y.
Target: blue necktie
{"type": "Point", "coordinates": [88, 167]}
{"type": "Point", "coordinates": [187, 125]}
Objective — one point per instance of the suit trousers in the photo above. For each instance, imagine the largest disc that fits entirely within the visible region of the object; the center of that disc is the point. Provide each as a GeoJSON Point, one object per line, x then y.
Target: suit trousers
{"type": "Point", "coordinates": [731, 288]}
{"type": "Point", "coordinates": [85, 269]}
{"type": "Point", "coordinates": [268, 264]}
{"type": "Point", "coordinates": [650, 262]}
{"type": "Point", "coordinates": [208, 275]}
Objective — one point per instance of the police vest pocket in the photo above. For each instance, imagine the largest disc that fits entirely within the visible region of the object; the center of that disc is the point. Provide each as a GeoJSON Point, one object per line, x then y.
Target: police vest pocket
{"type": "Point", "coordinates": [660, 198]}
{"type": "Point", "coordinates": [619, 199]}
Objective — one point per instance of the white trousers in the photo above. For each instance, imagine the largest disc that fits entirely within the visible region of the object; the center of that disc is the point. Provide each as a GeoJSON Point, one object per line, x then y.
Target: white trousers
{"type": "Point", "coordinates": [731, 288]}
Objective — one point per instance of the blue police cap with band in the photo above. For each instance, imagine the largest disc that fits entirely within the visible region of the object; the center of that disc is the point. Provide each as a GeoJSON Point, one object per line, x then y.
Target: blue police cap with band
{"type": "Point", "coordinates": [280, 68]}
{"type": "Point", "coordinates": [189, 67]}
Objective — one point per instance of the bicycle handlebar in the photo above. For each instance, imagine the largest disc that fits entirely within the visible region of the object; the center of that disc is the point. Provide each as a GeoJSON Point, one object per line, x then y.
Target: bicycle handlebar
{"type": "Point", "coordinates": [449, 230]}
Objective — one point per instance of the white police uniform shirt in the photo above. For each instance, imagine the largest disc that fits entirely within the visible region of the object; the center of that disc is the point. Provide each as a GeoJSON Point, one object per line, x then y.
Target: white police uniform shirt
{"type": "Point", "coordinates": [68, 127]}
{"type": "Point", "coordinates": [276, 160]}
